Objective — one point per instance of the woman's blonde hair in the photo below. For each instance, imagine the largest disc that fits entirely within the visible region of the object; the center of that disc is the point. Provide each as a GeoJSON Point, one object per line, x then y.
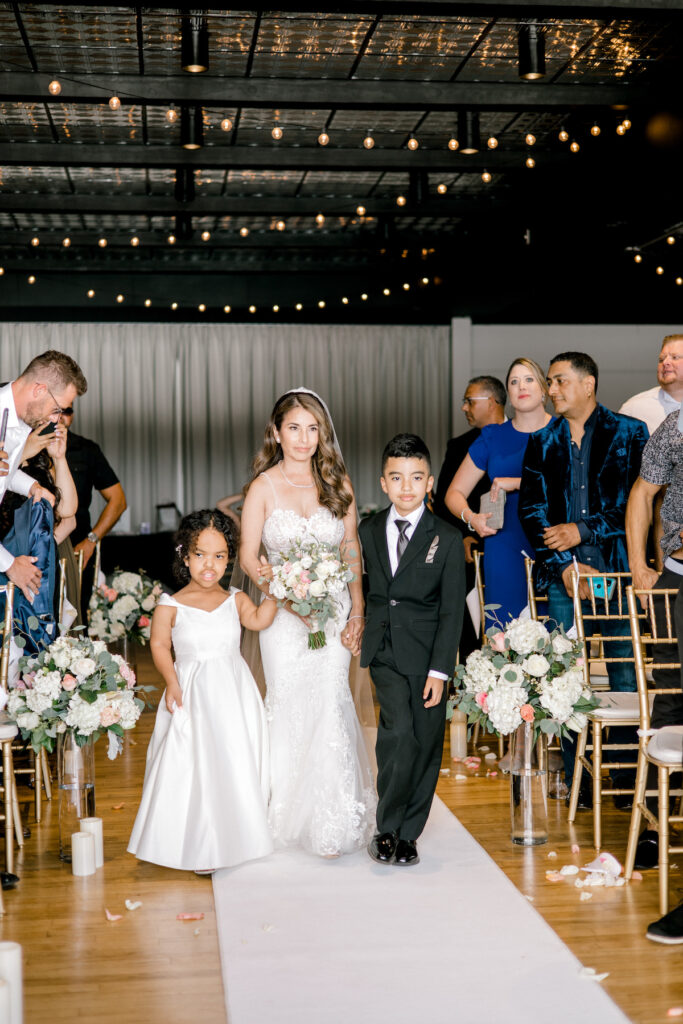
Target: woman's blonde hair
{"type": "Point", "coordinates": [327, 466]}
{"type": "Point", "coordinates": [532, 365]}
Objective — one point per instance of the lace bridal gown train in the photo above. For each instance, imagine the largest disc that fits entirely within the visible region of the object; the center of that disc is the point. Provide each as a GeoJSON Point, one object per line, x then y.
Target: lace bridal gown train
{"type": "Point", "coordinates": [322, 794]}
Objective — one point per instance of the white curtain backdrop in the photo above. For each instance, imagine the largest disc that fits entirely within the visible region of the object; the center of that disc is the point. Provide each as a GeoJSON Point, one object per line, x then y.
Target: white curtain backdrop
{"type": "Point", "coordinates": [180, 410]}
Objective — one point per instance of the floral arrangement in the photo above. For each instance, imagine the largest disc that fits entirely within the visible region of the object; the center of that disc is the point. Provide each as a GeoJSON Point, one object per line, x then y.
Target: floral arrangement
{"type": "Point", "coordinates": [75, 683]}
{"type": "Point", "coordinates": [311, 576]}
{"type": "Point", "coordinates": [525, 674]}
{"type": "Point", "coordinates": [123, 607]}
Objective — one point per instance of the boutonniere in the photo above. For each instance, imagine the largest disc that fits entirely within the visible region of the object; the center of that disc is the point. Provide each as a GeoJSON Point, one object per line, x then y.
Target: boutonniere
{"type": "Point", "coordinates": [433, 548]}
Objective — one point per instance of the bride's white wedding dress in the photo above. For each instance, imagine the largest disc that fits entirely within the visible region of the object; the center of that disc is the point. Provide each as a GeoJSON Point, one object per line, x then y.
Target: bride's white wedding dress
{"type": "Point", "coordinates": [322, 794]}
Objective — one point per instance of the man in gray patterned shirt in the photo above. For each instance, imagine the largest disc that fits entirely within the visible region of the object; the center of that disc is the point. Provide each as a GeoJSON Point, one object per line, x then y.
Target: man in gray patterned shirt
{"type": "Point", "coordinates": [661, 466]}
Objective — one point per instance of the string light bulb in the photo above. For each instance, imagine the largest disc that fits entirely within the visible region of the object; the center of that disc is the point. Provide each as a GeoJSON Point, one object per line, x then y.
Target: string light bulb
{"type": "Point", "coordinates": [401, 200]}
{"type": "Point", "coordinates": [35, 241]}
{"type": "Point", "coordinates": [276, 309]}
{"type": "Point", "coordinates": [413, 144]}
{"type": "Point", "coordinates": [425, 280]}
{"type": "Point", "coordinates": [252, 309]}
{"type": "Point", "coordinates": [360, 210]}
{"type": "Point", "coordinates": [345, 300]}
{"type": "Point", "coordinates": [671, 240]}
{"type": "Point", "coordinates": [321, 304]}
{"type": "Point", "coordinates": [171, 115]}
{"type": "Point", "coordinates": [114, 103]}
{"type": "Point", "coordinates": [386, 291]}
{"type": "Point", "coordinates": [2, 271]}
{"type": "Point", "coordinates": [621, 130]}
{"type": "Point", "coordinates": [323, 139]}
{"type": "Point", "coordinates": [320, 219]}
{"type": "Point", "coordinates": [638, 258]}
{"type": "Point", "coordinates": [171, 239]}
{"type": "Point", "coordinates": [91, 293]}
{"type": "Point", "coordinates": [148, 303]}
{"type": "Point", "coordinates": [31, 279]}
{"type": "Point", "coordinates": [626, 123]}
{"type": "Point", "coordinates": [530, 139]}
{"type": "Point", "coordinates": [453, 144]}
{"type": "Point", "coordinates": [102, 242]}
{"type": "Point", "coordinates": [298, 307]}
{"type": "Point", "coordinates": [244, 232]}
{"type": "Point", "coordinates": [174, 305]}
{"type": "Point", "coordinates": [227, 309]}
{"type": "Point", "coordinates": [206, 235]}
{"type": "Point", "coordinates": [530, 162]}
{"type": "Point", "coordinates": [364, 296]}
{"type": "Point", "coordinates": [660, 271]}
{"type": "Point", "coordinates": [492, 142]}
{"type": "Point", "coordinates": [486, 177]}
{"type": "Point", "coordinates": [563, 135]}
{"type": "Point", "coordinates": [135, 241]}
{"type": "Point", "coordinates": [595, 130]}
{"type": "Point", "coordinates": [574, 147]}
{"type": "Point", "coordinates": [277, 133]}
{"type": "Point", "coordinates": [442, 189]}
{"type": "Point", "coordinates": [119, 297]}
{"type": "Point", "coordinates": [54, 88]}
{"type": "Point", "coordinates": [368, 141]}
{"type": "Point", "coordinates": [66, 242]}
{"type": "Point", "coordinates": [201, 307]}
{"type": "Point", "coordinates": [406, 286]}
{"type": "Point", "coordinates": [226, 124]}
{"type": "Point", "coordinates": [679, 280]}
{"type": "Point", "coordinates": [280, 225]}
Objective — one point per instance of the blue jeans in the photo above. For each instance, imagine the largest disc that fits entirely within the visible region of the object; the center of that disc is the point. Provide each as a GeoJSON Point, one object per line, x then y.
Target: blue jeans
{"type": "Point", "coordinates": [621, 676]}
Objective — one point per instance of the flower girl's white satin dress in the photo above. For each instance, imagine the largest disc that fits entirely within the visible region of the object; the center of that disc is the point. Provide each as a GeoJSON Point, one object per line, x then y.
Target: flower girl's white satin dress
{"type": "Point", "coordinates": [206, 782]}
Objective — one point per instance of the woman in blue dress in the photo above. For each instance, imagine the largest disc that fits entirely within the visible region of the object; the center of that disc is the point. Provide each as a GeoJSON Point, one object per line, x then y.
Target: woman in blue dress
{"type": "Point", "coordinates": [498, 452]}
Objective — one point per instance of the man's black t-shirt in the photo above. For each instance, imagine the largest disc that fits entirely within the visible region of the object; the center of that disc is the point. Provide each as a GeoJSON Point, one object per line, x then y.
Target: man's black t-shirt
{"type": "Point", "coordinates": [90, 469]}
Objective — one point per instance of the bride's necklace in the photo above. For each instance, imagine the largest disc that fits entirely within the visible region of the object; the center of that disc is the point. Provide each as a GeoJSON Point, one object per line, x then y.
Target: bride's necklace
{"type": "Point", "coordinates": [303, 486]}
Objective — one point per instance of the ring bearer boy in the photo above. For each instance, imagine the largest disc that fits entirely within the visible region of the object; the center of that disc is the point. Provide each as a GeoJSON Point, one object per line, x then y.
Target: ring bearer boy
{"type": "Point", "coordinates": [416, 571]}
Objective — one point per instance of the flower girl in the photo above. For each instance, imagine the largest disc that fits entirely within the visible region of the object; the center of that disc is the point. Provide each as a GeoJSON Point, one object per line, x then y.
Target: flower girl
{"type": "Point", "coordinates": [205, 792]}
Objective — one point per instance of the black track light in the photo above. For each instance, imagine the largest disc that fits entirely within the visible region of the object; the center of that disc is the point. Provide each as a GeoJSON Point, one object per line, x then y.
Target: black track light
{"type": "Point", "coordinates": [194, 43]}
{"type": "Point", "coordinates": [191, 127]}
{"type": "Point", "coordinates": [531, 52]}
{"type": "Point", "coordinates": [183, 227]}
{"type": "Point", "coordinates": [184, 184]}
{"type": "Point", "coordinates": [468, 131]}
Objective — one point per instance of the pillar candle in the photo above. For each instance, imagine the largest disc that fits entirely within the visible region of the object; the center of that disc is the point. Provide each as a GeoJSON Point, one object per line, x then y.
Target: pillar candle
{"type": "Point", "coordinates": [83, 853]}
{"type": "Point", "coordinates": [5, 1001]}
{"type": "Point", "coordinates": [11, 976]}
{"type": "Point", "coordinates": [94, 827]}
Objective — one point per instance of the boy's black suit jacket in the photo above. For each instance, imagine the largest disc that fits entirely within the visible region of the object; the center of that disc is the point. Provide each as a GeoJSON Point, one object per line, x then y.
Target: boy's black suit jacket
{"type": "Point", "coordinates": [423, 603]}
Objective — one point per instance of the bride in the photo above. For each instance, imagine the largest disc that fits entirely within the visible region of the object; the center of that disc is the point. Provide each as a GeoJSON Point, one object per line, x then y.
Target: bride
{"type": "Point", "coordinates": [322, 797]}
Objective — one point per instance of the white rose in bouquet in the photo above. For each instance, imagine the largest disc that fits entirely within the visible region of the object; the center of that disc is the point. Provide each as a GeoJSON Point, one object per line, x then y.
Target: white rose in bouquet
{"type": "Point", "coordinates": [317, 588]}
{"type": "Point", "coordinates": [149, 603]}
{"type": "Point", "coordinates": [99, 646]}
{"type": "Point", "coordinates": [561, 645]}
{"type": "Point", "coordinates": [335, 586]}
{"type": "Point", "coordinates": [117, 630]}
{"type": "Point", "coordinates": [326, 568]}
{"type": "Point", "coordinates": [306, 562]}
{"type": "Point", "coordinates": [278, 590]}
{"type": "Point", "coordinates": [29, 720]}
{"type": "Point", "coordinates": [121, 608]}
{"type": "Point", "coordinates": [536, 665]}
{"type": "Point", "coordinates": [83, 667]}
{"type": "Point", "coordinates": [62, 658]}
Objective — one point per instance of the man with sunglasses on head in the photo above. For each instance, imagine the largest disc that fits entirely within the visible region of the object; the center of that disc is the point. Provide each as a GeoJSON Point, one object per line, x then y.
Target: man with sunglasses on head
{"type": "Point", "coordinates": [48, 385]}
{"type": "Point", "coordinates": [91, 471]}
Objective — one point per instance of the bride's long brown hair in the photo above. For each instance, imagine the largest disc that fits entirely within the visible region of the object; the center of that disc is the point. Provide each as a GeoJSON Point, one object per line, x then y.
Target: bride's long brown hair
{"type": "Point", "coordinates": [327, 466]}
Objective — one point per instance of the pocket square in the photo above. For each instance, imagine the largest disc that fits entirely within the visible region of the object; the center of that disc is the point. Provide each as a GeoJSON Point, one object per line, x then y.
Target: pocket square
{"type": "Point", "coordinates": [433, 548]}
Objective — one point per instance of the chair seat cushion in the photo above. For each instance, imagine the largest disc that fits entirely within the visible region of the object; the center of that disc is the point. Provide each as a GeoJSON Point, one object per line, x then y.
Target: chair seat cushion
{"type": "Point", "coordinates": [8, 730]}
{"type": "Point", "coordinates": [666, 746]}
{"type": "Point", "coordinates": [618, 705]}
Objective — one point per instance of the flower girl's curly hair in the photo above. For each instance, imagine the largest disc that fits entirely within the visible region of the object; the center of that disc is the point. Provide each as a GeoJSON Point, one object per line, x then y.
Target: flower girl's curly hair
{"type": "Point", "coordinates": [186, 538]}
{"type": "Point", "coordinates": [327, 464]}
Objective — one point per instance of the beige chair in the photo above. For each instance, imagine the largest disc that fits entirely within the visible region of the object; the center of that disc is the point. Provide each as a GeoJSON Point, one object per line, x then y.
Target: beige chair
{"type": "Point", "coordinates": [8, 733]}
{"type": "Point", "coordinates": [661, 747]}
{"type": "Point", "coordinates": [616, 708]}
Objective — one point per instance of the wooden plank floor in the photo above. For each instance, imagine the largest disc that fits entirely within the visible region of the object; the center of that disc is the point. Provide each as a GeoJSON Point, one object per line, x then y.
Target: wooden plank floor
{"type": "Point", "coordinates": [150, 968]}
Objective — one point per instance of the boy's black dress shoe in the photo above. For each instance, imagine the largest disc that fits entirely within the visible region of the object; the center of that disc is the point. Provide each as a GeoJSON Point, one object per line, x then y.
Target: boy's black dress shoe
{"type": "Point", "coordinates": [669, 929]}
{"type": "Point", "coordinates": [585, 802]}
{"type": "Point", "coordinates": [406, 852]}
{"type": "Point", "coordinates": [382, 847]}
{"type": "Point", "coordinates": [647, 850]}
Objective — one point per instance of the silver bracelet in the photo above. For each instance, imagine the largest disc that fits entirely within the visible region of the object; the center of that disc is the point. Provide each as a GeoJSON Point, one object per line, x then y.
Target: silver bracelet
{"type": "Point", "coordinates": [352, 617]}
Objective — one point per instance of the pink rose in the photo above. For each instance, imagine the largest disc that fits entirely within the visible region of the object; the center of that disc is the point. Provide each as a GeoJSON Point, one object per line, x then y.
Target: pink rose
{"type": "Point", "coordinates": [27, 681]}
{"type": "Point", "coordinates": [304, 577]}
{"type": "Point", "coordinates": [143, 621]}
{"type": "Point", "coordinates": [111, 594]}
{"type": "Point", "coordinates": [128, 674]}
{"type": "Point", "coordinates": [109, 716]}
{"type": "Point", "coordinates": [300, 590]}
{"type": "Point", "coordinates": [483, 701]}
{"type": "Point", "coordinates": [527, 712]}
{"type": "Point", "coordinates": [580, 662]}
{"type": "Point", "coordinates": [286, 568]}
{"type": "Point", "coordinates": [69, 682]}
{"type": "Point", "coordinates": [498, 642]}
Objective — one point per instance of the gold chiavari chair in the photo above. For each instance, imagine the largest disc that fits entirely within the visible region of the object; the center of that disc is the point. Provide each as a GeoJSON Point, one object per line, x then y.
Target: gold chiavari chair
{"type": "Point", "coordinates": [8, 732]}
{"type": "Point", "coordinates": [534, 600]}
{"type": "Point", "coordinates": [61, 593]}
{"type": "Point", "coordinates": [616, 708]}
{"type": "Point", "coordinates": [660, 747]}
{"type": "Point", "coordinates": [479, 583]}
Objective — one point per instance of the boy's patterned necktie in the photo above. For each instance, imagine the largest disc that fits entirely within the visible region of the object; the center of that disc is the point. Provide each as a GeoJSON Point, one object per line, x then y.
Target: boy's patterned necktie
{"type": "Point", "coordinates": [402, 542]}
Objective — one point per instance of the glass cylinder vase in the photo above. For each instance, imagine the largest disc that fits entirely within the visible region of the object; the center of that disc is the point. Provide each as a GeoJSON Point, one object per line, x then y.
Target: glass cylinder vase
{"type": "Point", "coordinates": [76, 785]}
{"type": "Point", "coordinates": [128, 650]}
{"type": "Point", "coordinates": [528, 786]}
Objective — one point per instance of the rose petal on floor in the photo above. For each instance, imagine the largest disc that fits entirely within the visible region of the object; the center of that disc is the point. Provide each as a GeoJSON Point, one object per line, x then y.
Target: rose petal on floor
{"type": "Point", "coordinates": [569, 869]}
{"type": "Point", "coordinates": [196, 931]}
{"type": "Point", "coordinates": [459, 777]}
{"type": "Point", "coordinates": [675, 1011]}
{"type": "Point", "coordinates": [483, 749]}
{"type": "Point", "coordinates": [576, 848]}
{"type": "Point", "coordinates": [592, 975]}
{"type": "Point", "coordinates": [490, 757]}
{"type": "Point", "coordinates": [552, 854]}
{"type": "Point", "coordinates": [554, 876]}
{"type": "Point", "coordinates": [133, 904]}
{"type": "Point", "coordinates": [112, 917]}
{"type": "Point", "coordinates": [636, 876]}
{"type": "Point", "coordinates": [586, 896]}
{"type": "Point", "coordinates": [117, 807]}
{"type": "Point", "coordinates": [493, 775]}
{"type": "Point", "coordinates": [196, 916]}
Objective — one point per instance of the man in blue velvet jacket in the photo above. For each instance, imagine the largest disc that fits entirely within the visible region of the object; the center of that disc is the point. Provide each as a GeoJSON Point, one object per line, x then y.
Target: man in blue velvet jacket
{"type": "Point", "coordinates": [576, 478]}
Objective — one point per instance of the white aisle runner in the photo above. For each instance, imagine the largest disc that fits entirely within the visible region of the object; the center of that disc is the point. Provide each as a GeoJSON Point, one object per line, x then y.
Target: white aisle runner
{"type": "Point", "coordinates": [450, 941]}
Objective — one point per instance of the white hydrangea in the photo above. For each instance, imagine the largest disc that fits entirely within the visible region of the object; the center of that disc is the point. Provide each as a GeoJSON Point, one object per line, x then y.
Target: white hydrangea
{"type": "Point", "coordinates": [278, 590]}
{"type": "Point", "coordinates": [49, 684]}
{"type": "Point", "coordinates": [84, 717]}
{"type": "Point", "coordinates": [503, 707]}
{"type": "Point", "coordinates": [117, 630]}
{"type": "Point", "coordinates": [335, 586]}
{"type": "Point", "coordinates": [327, 568]}
{"type": "Point", "coordinates": [130, 712]}
{"type": "Point", "coordinates": [29, 720]}
{"type": "Point", "coordinates": [98, 625]}
{"type": "Point", "coordinates": [523, 635]}
{"type": "Point", "coordinates": [512, 675]}
{"type": "Point", "coordinates": [122, 608]}
{"type": "Point", "coordinates": [149, 603]}
{"type": "Point", "coordinates": [83, 667]}
{"type": "Point", "coordinates": [127, 583]}
{"type": "Point", "coordinates": [559, 695]}
{"type": "Point", "coordinates": [16, 703]}
{"type": "Point", "coordinates": [37, 701]}
{"type": "Point", "coordinates": [561, 645]}
{"type": "Point", "coordinates": [480, 673]}
{"type": "Point", "coordinates": [99, 647]}
{"type": "Point", "coordinates": [536, 665]}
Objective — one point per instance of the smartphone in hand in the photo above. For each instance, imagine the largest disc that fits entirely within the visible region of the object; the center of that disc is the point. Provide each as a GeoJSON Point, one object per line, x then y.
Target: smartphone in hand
{"type": "Point", "coordinates": [49, 428]}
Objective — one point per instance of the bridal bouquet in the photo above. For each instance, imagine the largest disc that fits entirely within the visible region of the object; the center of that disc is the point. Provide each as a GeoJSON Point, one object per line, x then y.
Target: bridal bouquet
{"type": "Point", "coordinates": [525, 674]}
{"type": "Point", "coordinates": [311, 576]}
{"type": "Point", "coordinates": [76, 684]}
{"type": "Point", "coordinates": [123, 607]}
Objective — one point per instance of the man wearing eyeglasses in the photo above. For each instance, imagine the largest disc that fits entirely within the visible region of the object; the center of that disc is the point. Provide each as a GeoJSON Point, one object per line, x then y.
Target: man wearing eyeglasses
{"type": "Point", "coordinates": [49, 384]}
